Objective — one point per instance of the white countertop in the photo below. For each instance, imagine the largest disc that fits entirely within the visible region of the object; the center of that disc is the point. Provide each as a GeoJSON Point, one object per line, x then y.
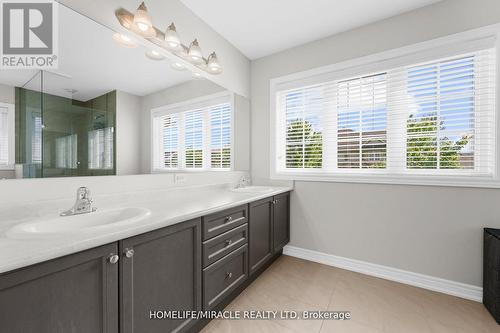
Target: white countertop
{"type": "Point", "coordinates": [167, 207]}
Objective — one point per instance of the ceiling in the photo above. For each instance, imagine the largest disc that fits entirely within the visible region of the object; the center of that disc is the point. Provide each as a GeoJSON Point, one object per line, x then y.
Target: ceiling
{"type": "Point", "coordinates": [91, 64]}
{"type": "Point", "coordinates": [262, 27]}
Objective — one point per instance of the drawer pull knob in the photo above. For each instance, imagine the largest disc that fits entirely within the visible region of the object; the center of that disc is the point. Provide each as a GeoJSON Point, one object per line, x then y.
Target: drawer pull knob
{"type": "Point", "coordinates": [129, 253]}
{"type": "Point", "coordinates": [113, 258]}
{"type": "Point", "coordinates": [228, 219]}
{"type": "Point", "coordinates": [229, 242]}
{"type": "Point", "coordinates": [229, 275]}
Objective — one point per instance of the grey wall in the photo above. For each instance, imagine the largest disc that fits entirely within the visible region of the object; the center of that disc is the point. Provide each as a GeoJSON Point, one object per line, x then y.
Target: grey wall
{"type": "Point", "coordinates": [430, 230]}
{"type": "Point", "coordinates": [241, 133]}
{"type": "Point", "coordinates": [7, 94]}
{"type": "Point", "coordinates": [128, 120]}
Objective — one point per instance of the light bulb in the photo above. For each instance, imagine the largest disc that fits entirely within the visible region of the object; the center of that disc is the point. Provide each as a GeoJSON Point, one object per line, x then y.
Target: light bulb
{"type": "Point", "coordinates": [154, 55]}
{"type": "Point", "coordinates": [194, 54]}
{"type": "Point", "coordinates": [178, 66]}
{"type": "Point", "coordinates": [143, 22]}
{"type": "Point", "coordinates": [196, 75]}
{"type": "Point", "coordinates": [171, 37]}
{"type": "Point", "coordinates": [213, 64]}
{"type": "Point", "coordinates": [124, 40]}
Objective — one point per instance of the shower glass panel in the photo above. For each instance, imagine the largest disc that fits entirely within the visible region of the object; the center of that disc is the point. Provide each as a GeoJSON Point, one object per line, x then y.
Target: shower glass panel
{"type": "Point", "coordinates": [77, 130]}
{"type": "Point", "coordinates": [29, 128]}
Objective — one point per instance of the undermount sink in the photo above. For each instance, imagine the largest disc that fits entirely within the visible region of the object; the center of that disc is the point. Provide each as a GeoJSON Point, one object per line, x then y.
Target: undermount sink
{"type": "Point", "coordinates": [253, 189]}
{"type": "Point", "coordinates": [77, 223]}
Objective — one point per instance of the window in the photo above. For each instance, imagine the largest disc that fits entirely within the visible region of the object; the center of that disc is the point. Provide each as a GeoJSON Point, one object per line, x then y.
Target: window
{"type": "Point", "coordinates": [193, 139]}
{"type": "Point", "coordinates": [100, 144]}
{"type": "Point", "coordinates": [66, 152]}
{"type": "Point", "coordinates": [170, 142]}
{"type": "Point", "coordinates": [362, 122]}
{"type": "Point", "coordinates": [193, 135]}
{"type": "Point", "coordinates": [220, 136]}
{"type": "Point", "coordinates": [422, 119]}
{"type": "Point", "coordinates": [6, 136]}
{"type": "Point", "coordinates": [36, 138]}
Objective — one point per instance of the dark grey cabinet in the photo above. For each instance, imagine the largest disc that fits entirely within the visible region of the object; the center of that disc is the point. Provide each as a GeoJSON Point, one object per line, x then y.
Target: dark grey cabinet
{"type": "Point", "coordinates": [220, 222]}
{"type": "Point", "coordinates": [196, 265]}
{"type": "Point", "coordinates": [491, 272]}
{"type": "Point", "coordinates": [161, 272]}
{"type": "Point", "coordinates": [281, 221]}
{"type": "Point", "coordinates": [76, 293]}
{"type": "Point", "coordinates": [269, 229]}
{"type": "Point", "coordinates": [260, 235]}
{"type": "Point", "coordinates": [224, 276]}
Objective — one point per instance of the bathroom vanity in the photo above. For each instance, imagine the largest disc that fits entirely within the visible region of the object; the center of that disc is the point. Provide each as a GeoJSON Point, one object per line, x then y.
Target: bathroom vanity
{"type": "Point", "coordinates": [198, 264]}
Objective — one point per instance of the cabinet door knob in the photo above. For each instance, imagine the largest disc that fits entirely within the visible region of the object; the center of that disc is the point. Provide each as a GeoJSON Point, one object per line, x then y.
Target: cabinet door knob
{"type": "Point", "coordinates": [129, 253]}
{"type": "Point", "coordinates": [229, 275]}
{"type": "Point", "coordinates": [229, 242]}
{"type": "Point", "coordinates": [228, 219]}
{"type": "Point", "coordinates": [113, 258]}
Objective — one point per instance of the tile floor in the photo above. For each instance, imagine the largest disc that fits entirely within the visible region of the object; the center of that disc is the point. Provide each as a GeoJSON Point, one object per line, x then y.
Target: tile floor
{"type": "Point", "coordinates": [376, 305]}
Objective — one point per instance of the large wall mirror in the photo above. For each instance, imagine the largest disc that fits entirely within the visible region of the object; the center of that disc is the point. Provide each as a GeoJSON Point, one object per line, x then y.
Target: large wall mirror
{"type": "Point", "coordinates": [115, 108]}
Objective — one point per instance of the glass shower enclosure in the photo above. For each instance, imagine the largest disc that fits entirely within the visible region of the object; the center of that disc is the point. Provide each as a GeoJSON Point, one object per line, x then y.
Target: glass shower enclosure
{"type": "Point", "coordinates": [63, 132]}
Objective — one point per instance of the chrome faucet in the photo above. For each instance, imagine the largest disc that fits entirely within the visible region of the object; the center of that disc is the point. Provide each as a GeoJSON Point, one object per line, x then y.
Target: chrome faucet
{"type": "Point", "coordinates": [244, 181]}
{"type": "Point", "coordinates": [83, 203]}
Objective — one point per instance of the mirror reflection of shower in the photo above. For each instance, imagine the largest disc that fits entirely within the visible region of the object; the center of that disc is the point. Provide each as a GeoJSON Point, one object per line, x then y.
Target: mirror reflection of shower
{"type": "Point", "coordinates": [61, 132]}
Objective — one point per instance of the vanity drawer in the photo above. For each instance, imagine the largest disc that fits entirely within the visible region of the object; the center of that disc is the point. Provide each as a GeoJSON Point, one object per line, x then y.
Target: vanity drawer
{"type": "Point", "coordinates": [217, 247]}
{"type": "Point", "coordinates": [218, 223]}
{"type": "Point", "coordinates": [224, 276]}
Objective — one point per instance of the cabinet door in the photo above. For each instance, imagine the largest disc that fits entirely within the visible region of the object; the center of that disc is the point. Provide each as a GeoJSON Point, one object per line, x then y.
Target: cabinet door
{"type": "Point", "coordinates": [77, 293]}
{"type": "Point", "coordinates": [260, 233]}
{"type": "Point", "coordinates": [162, 274]}
{"type": "Point", "coordinates": [281, 222]}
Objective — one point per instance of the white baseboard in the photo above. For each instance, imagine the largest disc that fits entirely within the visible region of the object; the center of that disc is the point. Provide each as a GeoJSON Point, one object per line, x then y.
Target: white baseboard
{"type": "Point", "coordinates": [449, 287]}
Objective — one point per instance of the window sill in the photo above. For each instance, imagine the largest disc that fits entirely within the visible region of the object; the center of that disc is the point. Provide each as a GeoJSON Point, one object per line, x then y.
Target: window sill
{"type": "Point", "coordinates": [189, 170]}
{"type": "Point", "coordinates": [419, 180]}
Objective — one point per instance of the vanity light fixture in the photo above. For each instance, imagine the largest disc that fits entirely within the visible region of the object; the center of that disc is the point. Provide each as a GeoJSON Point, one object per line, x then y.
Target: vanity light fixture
{"type": "Point", "coordinates": [172, 38]}
{"type": "Point", "coordinates": [213, 64]}
{"type": "Point", "coordinates": [154, 55]}
{"type": "Point", "coordinates": [124, 40]}
{"type": "Point", "coordinates": [142, 20]}
{"type": "Point", "coordinates": [194, 52]}
{"type": "Point", "coordinates": [140, 24]}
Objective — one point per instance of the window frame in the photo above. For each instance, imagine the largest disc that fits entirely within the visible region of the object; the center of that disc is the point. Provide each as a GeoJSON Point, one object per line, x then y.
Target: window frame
{"type": "Point", "coordinates": [445, 47]}
{"type": "Point", "coordinates": [11, 136]}
{"type": "Point", "coordinates": [185, 106]}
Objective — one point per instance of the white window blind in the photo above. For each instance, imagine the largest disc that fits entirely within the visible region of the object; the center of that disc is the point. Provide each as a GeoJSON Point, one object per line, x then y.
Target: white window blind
{"type": "Point", "coordinates": [100, 146]}
{"type": "Point", "coordinates": [170, 141]}
{"type": "Point", "coordinates": [220, 136]}
{"type": "Point", "coordinates": [66, 152]}
{"type": "Point", "coordinates": [198, 138]}
{"type": "Point", "coordinates": [7, 136]}
{"type": "Point", "coordinates": [193, 139]}
{"type": "Point", "coordinates": [4, 136]}
{"type": "Point", "coordinates": [362, 122]}
{"type": "Point", "coordinates": [36, 139]}
{"type": "Point", "coordinates": [433, 118]}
